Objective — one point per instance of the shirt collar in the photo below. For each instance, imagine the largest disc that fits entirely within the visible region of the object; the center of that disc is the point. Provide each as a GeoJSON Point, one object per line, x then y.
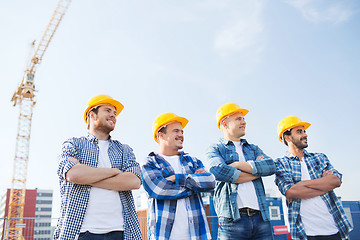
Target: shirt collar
{"type": "Point", "coordinates": [155, 154]}
{"type": "Point", "coordinates": [92, 138]}
{"type": "Point", "coordinates": [290, 155]}
{"type": "Point", "coordinates": [229, 142]}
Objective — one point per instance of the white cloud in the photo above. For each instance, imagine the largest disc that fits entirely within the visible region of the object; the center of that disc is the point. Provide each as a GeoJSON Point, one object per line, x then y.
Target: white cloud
{"type": "Point", "coordinates": [243, 31]}
{"type": "Point", "coordinates": [322, 11]}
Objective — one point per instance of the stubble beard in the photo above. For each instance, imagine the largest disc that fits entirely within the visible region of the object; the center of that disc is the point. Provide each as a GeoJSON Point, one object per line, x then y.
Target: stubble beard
{"type": "Point", "coordinates": [299, 144]}
{"type": "Point", "coordinates": [105, 128]}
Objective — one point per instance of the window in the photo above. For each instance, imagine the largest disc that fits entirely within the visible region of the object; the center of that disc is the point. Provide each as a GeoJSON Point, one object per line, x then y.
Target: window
{"type": "Point", "coordinates": [40, 194]}
{"type": "Point", "coordinates": [43, 201]}
{"type": "Point", "coordinates": [42, 216]}
{"type": "Point", "coordinates": [43, 224]}
{"type": "Point", "coordinates": [274, 213]}
{"type": "Point", "coordinates": [45, 209]}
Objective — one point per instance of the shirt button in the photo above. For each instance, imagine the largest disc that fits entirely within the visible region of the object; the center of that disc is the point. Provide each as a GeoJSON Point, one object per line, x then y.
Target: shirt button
{"type": "Point", "coordinates": [233, 202]}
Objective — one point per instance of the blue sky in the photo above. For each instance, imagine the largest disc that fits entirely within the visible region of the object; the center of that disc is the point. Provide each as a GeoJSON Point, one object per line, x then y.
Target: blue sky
{"type": "Point", "coordinates": [275, 58]}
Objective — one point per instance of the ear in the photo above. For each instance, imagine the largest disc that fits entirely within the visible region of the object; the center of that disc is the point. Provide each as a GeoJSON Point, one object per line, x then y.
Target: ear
{"type": "Point", "coordinates": [159, 135]}
{"type": "Point", "coordinates": [223, 124]}
{"type": "Point", "coordinates": [287, 138]}
{"type": "Point", "coordinates": [92, 115]}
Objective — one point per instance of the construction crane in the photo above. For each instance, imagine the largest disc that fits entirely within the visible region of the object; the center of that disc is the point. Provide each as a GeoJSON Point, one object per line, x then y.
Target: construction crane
{"type": "Point", "coordinates": [24, 97]}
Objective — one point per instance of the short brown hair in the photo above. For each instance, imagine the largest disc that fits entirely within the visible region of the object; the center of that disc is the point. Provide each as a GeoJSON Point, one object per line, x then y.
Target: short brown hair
{"type": "Point", "coordinates": [95, 110]}
{"type": "Point", "coordinates": [286, 133]}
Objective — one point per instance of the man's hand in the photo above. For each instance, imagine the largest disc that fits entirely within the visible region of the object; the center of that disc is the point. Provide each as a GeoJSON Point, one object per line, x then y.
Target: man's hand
{"type": "Point", "coordinates": [328, 172]}
{"type": "Point", "coordinates": [260, 157]}
{"type": "Point", "coordinates": [171, 178]}
{"type": "Point", "coordinates": [74, 160]}
{"type": "Point", "coordinates": [200, 170]}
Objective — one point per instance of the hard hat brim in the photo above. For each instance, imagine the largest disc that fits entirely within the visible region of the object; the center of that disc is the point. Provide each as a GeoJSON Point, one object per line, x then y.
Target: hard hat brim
{"type": "Point", "coordinates": [305, 124]}
{"type": "Point", "coordinates": [240, 110]}
{"type": "Point", "coordinates": [119, 107]}
{"type": "Point", "coordinates": [181, 120]}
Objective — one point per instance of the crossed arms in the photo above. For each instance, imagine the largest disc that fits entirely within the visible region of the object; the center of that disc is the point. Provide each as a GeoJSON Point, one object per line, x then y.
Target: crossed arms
{"type": "Point", "coordinates": [329, 180]}
{"type": "Point", "coordinates": [313, 188]}
{"type": "Point", "coordinates": [246, 171]}
{"type": "Point", "coordinates": [71, 170]}
{"type": "Point", "coordinates": [240, 172]}
{"type": "Point", "coordinates": [175, 186]}
{"type": "Point", "coordinates": [106, 178]}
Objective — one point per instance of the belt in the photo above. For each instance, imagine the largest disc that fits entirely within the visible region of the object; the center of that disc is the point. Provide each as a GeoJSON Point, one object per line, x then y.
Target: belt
{"type": "Point", "coordinates": [248, 211]}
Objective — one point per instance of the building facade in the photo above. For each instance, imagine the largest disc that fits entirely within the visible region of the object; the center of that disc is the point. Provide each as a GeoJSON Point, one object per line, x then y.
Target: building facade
{"type": "Point", "coordinates": [37, 214]}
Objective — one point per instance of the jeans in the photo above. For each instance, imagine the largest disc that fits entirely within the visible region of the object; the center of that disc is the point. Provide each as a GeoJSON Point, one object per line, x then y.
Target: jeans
{"type": "Point", "coordinates": [329, 237]}
{"type": "Point", "coordinates": [115, 235]}
{"type": "Point", "coordinates": [248, 227]}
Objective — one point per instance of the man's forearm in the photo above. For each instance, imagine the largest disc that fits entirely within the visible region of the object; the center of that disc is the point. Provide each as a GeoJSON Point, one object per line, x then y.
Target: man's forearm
{"type": "Point", "coordinates": [83, 174]}
{"type": "Point", "coordinates": [245, 177]}
{"type": "Point", "coordinates": [242, 166]}
{"type": "Point", "coordinates": [326, 183]}
{"type": "Point", "coordinates": [301, 191]}
{"type": "Point", "coordinates": [121, 182]}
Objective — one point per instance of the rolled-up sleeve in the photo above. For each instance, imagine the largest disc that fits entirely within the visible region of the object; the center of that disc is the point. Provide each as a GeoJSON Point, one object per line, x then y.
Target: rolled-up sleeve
{"type": "Point", "coordinates": [219, 168]}
{"type": "Point", "coordinates": [130, 163]}
{"type": "Point", "coordinates": [330, 167]}
{"type": "Point", "coordinates": [283, 178]}
{"type": "Point", "coordinates": [64, 165]}
{"type": "Point", "coordinates": [262, 167]}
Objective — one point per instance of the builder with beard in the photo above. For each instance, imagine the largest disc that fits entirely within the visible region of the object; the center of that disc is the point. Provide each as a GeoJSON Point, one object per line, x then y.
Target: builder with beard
{"type": "Point", "coordinates": [96, 175]}
{"type": "Point", "coordinates": [174, 180]}
{"type": "Point", "coordinates": [307, 180]}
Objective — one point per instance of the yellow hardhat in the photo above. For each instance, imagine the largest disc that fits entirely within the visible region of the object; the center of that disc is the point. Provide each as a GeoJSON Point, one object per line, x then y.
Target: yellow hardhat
{"type": "Point", "coordinates": [227, 109]}
{"type": "Point", "coordinates": [288, 123]}
{"type": "Point", "coordinates": [102, 99]}
{"type": "Point", "coordinates": [166, 118]}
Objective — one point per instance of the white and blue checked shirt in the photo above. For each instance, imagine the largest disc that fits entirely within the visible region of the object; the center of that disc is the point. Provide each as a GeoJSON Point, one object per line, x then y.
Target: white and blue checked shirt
{"type": "Point", "coordinates": [75, 197]}
{"type": "Point", "coordinates": [288, 173]}
{"type": "Point", "coordinates": [163, 195]}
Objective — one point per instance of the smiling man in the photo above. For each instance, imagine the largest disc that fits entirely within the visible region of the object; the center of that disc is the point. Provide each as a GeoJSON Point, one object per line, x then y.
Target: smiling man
{"type": "Point", "coordinates": [96, 175]}
{"type": "Point", "coordinates": [307, 180]}
{"type": "Point", "coordinates": [239, 197]}
{"type": "Point", "coordinates": [173, 180]}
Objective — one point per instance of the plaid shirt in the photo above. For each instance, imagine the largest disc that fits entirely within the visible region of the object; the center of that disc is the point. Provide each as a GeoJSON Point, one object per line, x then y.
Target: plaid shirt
{"type": "Point", "coordinates": [219, 156]}
{"type": "Point", "coordinates": [288, 173]}
{"type": "Point", "coordinates": [75, 197]}
{"type": "Point", "coordinates": [163, 195]}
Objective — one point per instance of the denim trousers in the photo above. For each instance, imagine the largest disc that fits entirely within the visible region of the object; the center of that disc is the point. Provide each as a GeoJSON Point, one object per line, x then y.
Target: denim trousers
{"type": "Point", "coordinates": [115, 235]}
{"type": "Point", "coordinates": [248, 227]}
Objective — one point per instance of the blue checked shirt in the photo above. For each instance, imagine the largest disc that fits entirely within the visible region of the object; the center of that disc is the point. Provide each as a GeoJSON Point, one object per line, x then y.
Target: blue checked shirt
{"type": "Point", "coordinates": [75, 197]}
{"type": "Point", "coordinates": [288, 173]}
{"type": "Point", "coordinates": [223, 153]}
{"type": "Point", "coordinates": [163, 195]}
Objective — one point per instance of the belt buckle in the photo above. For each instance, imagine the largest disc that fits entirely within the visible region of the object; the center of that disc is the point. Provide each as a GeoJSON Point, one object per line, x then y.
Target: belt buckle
{"type": "Point", "coordinates": [251, 213]}
{"type": "Point", "coordinates": [248, 212]}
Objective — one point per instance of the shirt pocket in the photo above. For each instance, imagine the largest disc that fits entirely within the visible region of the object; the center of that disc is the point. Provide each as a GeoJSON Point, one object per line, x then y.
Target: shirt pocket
{"type": "Point", "coordinates": [231, 156]}
{"type": "Point", "coordinates": [116, 158]}
{"type": "Point", "coordinates": [167, 171]}
{"type": "Point", "coordinates": [320, 168]}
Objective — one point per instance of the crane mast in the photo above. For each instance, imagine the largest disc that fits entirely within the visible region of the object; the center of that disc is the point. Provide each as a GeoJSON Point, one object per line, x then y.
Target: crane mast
{"type": "Point", "coordinates": [24, 97]}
